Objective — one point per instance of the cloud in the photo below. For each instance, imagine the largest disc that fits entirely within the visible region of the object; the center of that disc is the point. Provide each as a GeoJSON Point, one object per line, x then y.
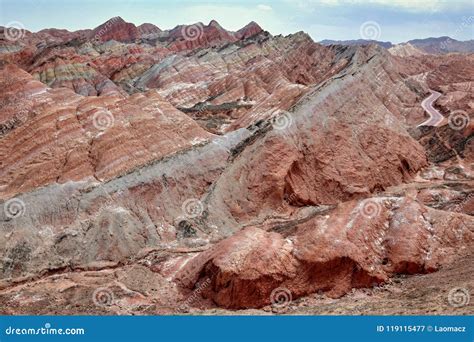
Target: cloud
{"type": "Point", "coordinates": [421, 5]}
{"type": "Point", "coordinates": [405, 5]}
{"type": "Point", "coordinates": [264, 7]}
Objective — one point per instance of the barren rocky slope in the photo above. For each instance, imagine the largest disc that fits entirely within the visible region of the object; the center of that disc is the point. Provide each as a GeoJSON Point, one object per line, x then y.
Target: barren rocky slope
{"type": "Point", "coordinates": [161, 171]}
{"type": "Point", "coordinates": [438, 45]}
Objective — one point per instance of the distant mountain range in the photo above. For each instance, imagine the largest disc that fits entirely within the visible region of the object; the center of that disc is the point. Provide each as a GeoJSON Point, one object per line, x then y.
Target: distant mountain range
{"type": "Point", "coordinates": [386, 45]}
{"type": "Point", "coordinates": [439, 45]}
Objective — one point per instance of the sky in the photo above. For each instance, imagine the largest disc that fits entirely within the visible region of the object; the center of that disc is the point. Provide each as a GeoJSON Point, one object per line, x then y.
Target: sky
{"type": "Point", "coordinates": [386, 20]}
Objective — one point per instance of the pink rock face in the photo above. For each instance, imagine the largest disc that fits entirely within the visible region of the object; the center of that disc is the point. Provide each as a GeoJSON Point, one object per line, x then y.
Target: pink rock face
{"type": "Point", "coordinates": [359, 244]}
{"type": "Point", "coordinates": [249, 30]}
{"type": "Point", "coordinates": [115, 29]}
{"type": "Point", "coordinates": [76, 74]}
{"type": "Point", "coordinates": [235, 265]}
{"type": "Point", "coordinates": [82, 137]}
{"type": "Point", "coordinates": [148, 29]}
{"type": "Point", "coordinates": [188, 37]}
{"type": "Point", "coordinates": [196, 167]}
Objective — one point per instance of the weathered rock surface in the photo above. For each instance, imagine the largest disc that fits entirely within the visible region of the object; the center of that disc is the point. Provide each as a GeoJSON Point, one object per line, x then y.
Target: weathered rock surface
{"type": "Point", "coordinates": [58, 136]}
{"type": "Point", "coordinates": [405, 50]}
{"type": "Point", "coordinates": [196, 167]}
{"type": "Point", "coordinates": [116, 29]}
{"type": "Point", "coordinates": [356, 245]}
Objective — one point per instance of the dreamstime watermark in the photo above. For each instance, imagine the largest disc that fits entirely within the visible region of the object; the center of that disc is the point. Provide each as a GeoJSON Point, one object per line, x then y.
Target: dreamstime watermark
{"type": "Point", "coordinates": [14, 208]}
{"type": "Point", "coordinates": [20, 106]}
{"type": "Point", "coordinates": [17, 120]}
{"type": "Point", "coordinates": [192, 32]}
{"type": "Point", "coordinates": [370, 208]}
{"type": "Point", "coordinates": [22, 115]}
{"type": "Point", "coordinates": [192, 208]}
{"type": "Point", "coordinates": [195, 295]}
{"type": "Point", "coordinates": [458, 120]}
{"type": "Point", "coordinates": [17, 102]}
{"type": "Point", "coordinates": [280, 299]}
{"type": "Point", "coordinates": [459, 297]}
{"type": "Point", "coordinates": [281, 120]}
{"type": "Point", "coordinates": [288, 200]}
{"type": "Point", "coordinates": [370, 30]}
{"type": "Point", "coordinates": [465, 23]}
{"type": "Point", "coordinates": [459, 206]}
{"type": "Point", "coordinates": [103, 297]}
{"type": "Point", "coordinates": [14, 31]}
{"type": "Point", "coordinates": [46, 330]}
{"type": "Point", "coordinates": [105, 28]}
{"type": "Point", "coordinates": [103, 119]}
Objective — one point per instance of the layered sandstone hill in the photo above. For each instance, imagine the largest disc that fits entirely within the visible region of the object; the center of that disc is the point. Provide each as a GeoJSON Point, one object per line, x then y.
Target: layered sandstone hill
{"type": "Point", "coordinates": [438, 46]}
{"type": "Point", "coordinates": [405, 50]}
{"type": "Point", "coordinates": [159, 168]}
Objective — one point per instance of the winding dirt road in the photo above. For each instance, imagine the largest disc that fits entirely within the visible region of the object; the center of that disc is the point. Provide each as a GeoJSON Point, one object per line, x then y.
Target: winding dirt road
{"type": "Point", "coordinates": [435, 116]}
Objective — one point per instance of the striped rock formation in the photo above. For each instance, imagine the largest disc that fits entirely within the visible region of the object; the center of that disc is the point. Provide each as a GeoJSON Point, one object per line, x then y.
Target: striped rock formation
{"type": "Point", "coordinates": [196, 168]}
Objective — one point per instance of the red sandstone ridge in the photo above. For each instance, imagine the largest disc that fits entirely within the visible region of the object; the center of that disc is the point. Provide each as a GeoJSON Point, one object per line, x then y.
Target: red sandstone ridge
{"type": "Point", "coordinates": [199, 169]}
{"type": "Point", "coordinates": [148, 29]}
{"type": "Point", "coordinates": [83, 137]}
{"type": "Point", "coordinates": [249, 30]}
{"type": "Point", "coordinates": [115, 29]}
{"type": "Point", "coordinates": [334, 253]}
{"type": "Point", "coordinates": [188, 37]}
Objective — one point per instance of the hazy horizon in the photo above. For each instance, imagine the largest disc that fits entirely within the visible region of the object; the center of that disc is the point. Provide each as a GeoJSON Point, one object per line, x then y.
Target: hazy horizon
{"type": "Point", "coordinates": [382, 20]}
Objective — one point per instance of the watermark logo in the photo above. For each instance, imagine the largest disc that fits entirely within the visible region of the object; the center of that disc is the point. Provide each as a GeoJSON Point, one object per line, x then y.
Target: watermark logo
{"type": "Point", "coordinates": [370, 208]}
{"type": "Point", "coordinates": [22, 115]}
{"type": "Point", "coordinates": [185, 307]}
{"type": "Point", "coordinates": [14, 31]}
{"type": "Point", "coordinates": [458, 120]}
{"type": "Point", "coordinates": [280, 299]}
{"type": "Point", "coordinates": [105, 28]}
{"type": "Point", "coordinates": [458, 297]}
{"type": "Point", "coordinates": [192, 32]}
{"type": "Point", "coordinates": [370, 30]}
{"type": "Point", "coordinates": [192, 208]}
{"type": "Point", "coordinates": [14, 208]}
{"type": "Point", "coordinates": [103, 120]}
{"type": "Point", "coordinates": [46, 330]}
{"type": "Point", "coordinates": [282, 120]}
{"type": "Point", "coordinates": [103, 296]}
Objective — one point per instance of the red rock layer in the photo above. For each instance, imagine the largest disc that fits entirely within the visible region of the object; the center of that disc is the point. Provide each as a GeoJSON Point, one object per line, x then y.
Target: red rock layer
{"type": "Point", "coordinates": [64, 136]}
{"type": "Point", "coordinates": [357, 245]}
{"type": "Point", "coordinates": [115, 29]}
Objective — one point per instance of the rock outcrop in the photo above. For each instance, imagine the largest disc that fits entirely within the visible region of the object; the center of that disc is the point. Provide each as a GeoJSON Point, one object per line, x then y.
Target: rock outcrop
{"type": "Point", "coordinates": [116, 29]}
{"type": "Point", "coordinates": [59, 136]}
{"type": "Point", "coordinates": [359, 244]}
